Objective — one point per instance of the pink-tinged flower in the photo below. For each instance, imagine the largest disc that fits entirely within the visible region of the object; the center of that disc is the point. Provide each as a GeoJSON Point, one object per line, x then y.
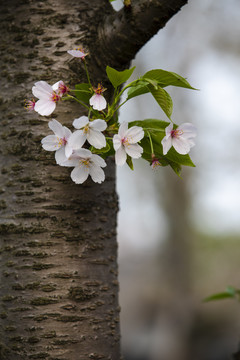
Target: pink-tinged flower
{"type": "Point", "coordinates": [47, 98]}
{"type": "Point", "coordinates": [85, 163]}
{"type": "Point", "coordinates": [79, 53]}
{"type": "Point", "coordinates": [125, 143]}
{"type": "Point", "coordinates": [155, 162]}
{"type": "Point", "coordinates": [58, 142]}
{"type": "Point", "coordinates": [60, 88]}
{"type": "Point", "coordinates": [90, 131]}
{"type": "Point", "coordinates": [97, 101]}
{"type": "Point", "coordinates": [181, 138]}
{"type": "Point", "coordinates": [29, 105]}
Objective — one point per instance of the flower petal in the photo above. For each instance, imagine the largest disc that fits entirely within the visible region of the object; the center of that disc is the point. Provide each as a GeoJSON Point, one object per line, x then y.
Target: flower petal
{"type": "Point", "coordinates": [189, 130]}
{"type": "Point", "coordinates": [96, 139]}
{"type": "Point", "coordinates": [168, 129]}
{"type": "Point", "coordinates": [134, 134]}
{"type": "Point", "coordinates": [181, 145]}
{"type": "Point", "coordinates": [42, 89]}
{"type": "Point", "coordinates": [71, 162]}
{"type": "Point", "coordinates": [98, 124]}
{"type": "Point", "coordinates": [57, 128]}
{"type": "Point", "coordinates": [51, 143]}
{"type": "Point", "coordinates": [45, 107]}
{"type": "Point", "coordinates": [80, 122]}
{"type": "Point", "coordinates": [80, 174]}
{"type": "Point", "coordinates": [166, 144]}
{"type": "Point", "coordinates": [97, 160]}
{"type": "Point", "coordinates": [98, 102]}
{"type": "Point", "coordinates": [56, 85]}
{"type": "Point", "coordinates": [68, 150]}
{"type": "Point", "coordinates": [123, 129]}
{"type": "Point", "coordinates": [120, 156]}
{"type": "Point", "coordinates": [97, 174]}
{"type": "Point", "coordinates": [77, 139]}
{"type": "Point", "coordinates": [60, 155]}
{"type": "Point", "coordinates": [77, 53]}
{"type": "Point", "coordinates": [67, 132]}
{"type": "Point", "coordinates": [134, 150]}
{"type": "Point", "coordinates": [116, 142]}
{"type": "Point", "coordinates": [83, 153]}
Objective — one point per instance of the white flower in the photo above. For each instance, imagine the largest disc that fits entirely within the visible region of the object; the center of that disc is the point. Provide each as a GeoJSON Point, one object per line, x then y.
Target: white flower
{"type": "Point", "coordinates": [97, 101]}
{"type": "Point", "coordinates": [58, 142]}
{"type": "Point", "coordinates": [125, 143]}
{"type": "Point", "coordinates": [90, 131]}
{"type": "Point", "coordinates": [85, 163]}
{"type": "Point", "coordinates": [60, 88]}
{"type": "Point", "coordinates": [47, 98]}
{"type": "Point", "coordinates": [180, 138]}
{"type": "Point", "coordinates": [79, 53]}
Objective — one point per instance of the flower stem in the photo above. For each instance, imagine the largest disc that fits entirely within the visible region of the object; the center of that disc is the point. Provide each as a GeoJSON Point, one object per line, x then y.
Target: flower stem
{"type": "Point", "coordinates": [79, 101]}
{"type": "Point", "coordinates": [151, 144]}
{"type": "Point", "coordinates": [85, 65]}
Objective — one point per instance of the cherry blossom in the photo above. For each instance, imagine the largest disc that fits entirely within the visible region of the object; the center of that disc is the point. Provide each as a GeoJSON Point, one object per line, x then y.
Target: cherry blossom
{"type": "Point", "coordinates": [90, 131]}
{"type": "Point", "coordinates": [155, 162]}
{"type": "Point", "coordinates": [47, 98]}
{"type": "Point", "coordinates": [97, 101]}
{"type": "Point", "coordinates": [60, 88]}
{"type": "Point", "coordinates": [85, 163]}
{"type": "Point", "coordinates": [58, 142]}
{"type": "Point", "coordinates": [29, 105]}
{"type": "Point", "coordinates": [125, 143]}
{"type": "Point", "coordinates": [181, 138]}
{"type": "Point", "coordinates": [79, 53]}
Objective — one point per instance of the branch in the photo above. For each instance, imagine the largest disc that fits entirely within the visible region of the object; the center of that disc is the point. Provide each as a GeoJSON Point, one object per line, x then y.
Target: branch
{"type": "Point", "coordinates": [126, 31]}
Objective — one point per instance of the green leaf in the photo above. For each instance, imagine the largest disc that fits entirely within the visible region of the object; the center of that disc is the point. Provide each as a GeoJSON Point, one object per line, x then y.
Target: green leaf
{"type": "Point", "coordinates": [166, 78]}
{"type": "Point", "coordinates": [163, 99]}
{"type": "Point", "coordinates": [118, 77]}
{"type": "Point", "coordinates": [219, 296]}
{"type": "Point", "coordinates": [140, 88]}
{"type": "Point", "coordinates": [230, 292]}
{"type": "Point", "coordinates": [129, 162]}
{"type": "Point", "coordinates": [102, 150]}
{"type": "Point", "coordinates": [83, 92]}
{"type": "Point", "coordinates": [176, 168]}
{"type": "Point", "coordinates": [108, 150]}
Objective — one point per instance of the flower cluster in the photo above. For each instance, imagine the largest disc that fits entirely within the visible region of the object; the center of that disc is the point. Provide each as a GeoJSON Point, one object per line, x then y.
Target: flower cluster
{"type": "Point", "coordinates": [98, 135]}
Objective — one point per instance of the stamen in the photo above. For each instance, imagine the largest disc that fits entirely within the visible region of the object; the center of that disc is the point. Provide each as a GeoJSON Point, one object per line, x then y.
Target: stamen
{"type": "Point", "coordinates": [99, 90]}
{"type": "Point", "coordinates": [29, 105]}
{"type": "Point", "coordinates": [84, 162]}
{"type": "Point", "coordinates": [62, 141]}
{"type": "Point", "coordinates": [55, 97]}
{"type": "Point", "coordinates": [176, 133]}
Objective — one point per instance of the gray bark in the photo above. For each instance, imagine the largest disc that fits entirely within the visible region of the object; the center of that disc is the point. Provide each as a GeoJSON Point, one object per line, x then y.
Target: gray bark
{"type": "Point", "coordinates": [58, 285]}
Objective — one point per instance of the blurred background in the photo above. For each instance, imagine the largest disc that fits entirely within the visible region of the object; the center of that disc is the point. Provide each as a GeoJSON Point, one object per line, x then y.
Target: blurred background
{"type": "Point", "coordinates": [179, 239]}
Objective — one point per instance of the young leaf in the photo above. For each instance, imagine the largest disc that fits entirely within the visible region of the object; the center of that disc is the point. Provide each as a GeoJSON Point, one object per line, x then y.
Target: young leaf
{"type": "Point", "coordinates": [230, 292]}
{"type": "Point", "coordinates": [166, 78]}
{"type": "Point", "coordinates": [129, 162]}
{"type": "Point", "coordinates": [106, 149]}
{"type": "Point", "coordinates": [118, 77]}
{"type": "Point", "coordinates": [83, 92]}
{"type": "Point", "coordinates": [140, 88]}
{"type": "Point", "coordinates": [163, 99]}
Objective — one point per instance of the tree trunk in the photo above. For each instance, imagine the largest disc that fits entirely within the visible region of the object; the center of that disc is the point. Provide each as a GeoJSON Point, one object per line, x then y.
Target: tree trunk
{"type": "Point", "coordinates": [59, 289]}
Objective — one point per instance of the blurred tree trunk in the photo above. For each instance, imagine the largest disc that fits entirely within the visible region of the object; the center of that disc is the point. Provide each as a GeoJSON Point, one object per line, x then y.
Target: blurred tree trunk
{"type": "Point", "coordinates": [59, 290]}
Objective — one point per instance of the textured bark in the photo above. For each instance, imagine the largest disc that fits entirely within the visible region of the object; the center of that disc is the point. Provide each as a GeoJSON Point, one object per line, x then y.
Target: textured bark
{"type": "Point", "coordinates": [58, 269]}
